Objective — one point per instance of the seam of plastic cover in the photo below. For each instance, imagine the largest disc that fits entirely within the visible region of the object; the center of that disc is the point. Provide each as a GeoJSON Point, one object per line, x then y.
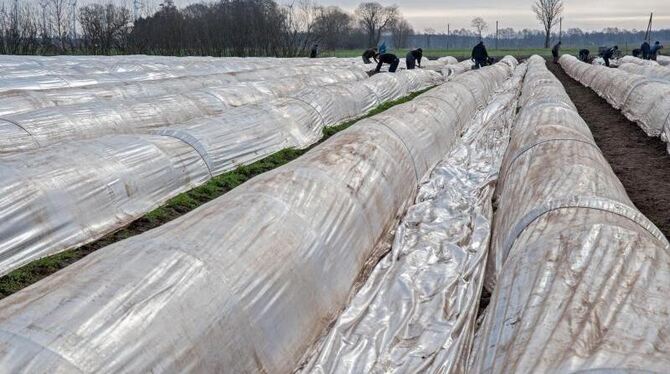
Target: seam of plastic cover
{"type": "Point", "coordinates": [32, 137]}
{"type": "Point", "coordinates": [192, 142]}
{"type": "Point", "coordinates": [590, 202]}
{"type": "Point", "coordinates": [409, 151]}
{"type": "Point", "coordinates": [323, 120]}
{"type": "Point", "coordinates": [531, 146]}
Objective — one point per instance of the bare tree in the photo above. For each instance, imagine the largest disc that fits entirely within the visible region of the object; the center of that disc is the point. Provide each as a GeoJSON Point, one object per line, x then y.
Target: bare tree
{"type": "Point", "coordinates": [374, 19]}
{"type": "Point", "coordinates": [548, 12]}
{"type": "Point", "coordinates": [105, 27]}
{"type": "Point", "coordinates": [60, 20]}
{"type": "Point", "coordinates": [300, 21]}
{"type": "Point", "coordinates": [331, 26]}
{"type": "Point", "coordinates": [479, 25]}
{"type": "Point", "coordinates": [400, 32]}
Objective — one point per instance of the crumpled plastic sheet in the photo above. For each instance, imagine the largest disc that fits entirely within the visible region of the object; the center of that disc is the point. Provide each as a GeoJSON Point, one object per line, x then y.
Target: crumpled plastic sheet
{"type": "Point", "coordinates": [643, 100]}
{"type": "Point", "coordinates": [20, 101]}
{"type": "Point", "coordinates": [417, 310]}
{"type": "Point", "coordinates": [266, 71]}
{"type": "Point", "coordinates": [59, 205]}
{"type": "Point", "coordinates": [238, 284]}
{"type": "Point", "coordinates": [47, 126]}
{"type": "Point", "coordinates": [583, 279]}
{"type": "Point", "coordinates": [448, 60]}
{"type": "Point", "coordinates": [663, 60]}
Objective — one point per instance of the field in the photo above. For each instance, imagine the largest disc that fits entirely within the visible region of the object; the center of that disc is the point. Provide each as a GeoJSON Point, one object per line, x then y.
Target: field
{"type": "Point", "coordinates": [242, 215]}
{"type": "Point", "coordinates": [460, 53]}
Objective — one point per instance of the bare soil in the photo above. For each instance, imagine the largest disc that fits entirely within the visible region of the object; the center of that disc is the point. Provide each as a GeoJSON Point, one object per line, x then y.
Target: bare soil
{"type": "Point", "coordinates": [642, 163]}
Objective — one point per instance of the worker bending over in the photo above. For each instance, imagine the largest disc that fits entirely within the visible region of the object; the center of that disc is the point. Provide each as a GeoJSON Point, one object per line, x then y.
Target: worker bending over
{"type": "Point", "coordinates": [480, 55]}
{"type": "Point", "coordinates": [608, 54]}
{"type": "Point", "coordinates": [371, 53]}
{"type": "Point", "coordinates": [653, 53]}
{"type": "Point", "coordinates": [387, 58]}
{"type": "Point", "coordinates": [413, 58]}
{"type": "Point", "coordinates": [584, 55]}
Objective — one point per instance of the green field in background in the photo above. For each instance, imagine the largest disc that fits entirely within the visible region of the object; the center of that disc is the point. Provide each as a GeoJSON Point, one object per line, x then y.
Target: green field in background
{"type": "Point", "coordinates": [458, 53]}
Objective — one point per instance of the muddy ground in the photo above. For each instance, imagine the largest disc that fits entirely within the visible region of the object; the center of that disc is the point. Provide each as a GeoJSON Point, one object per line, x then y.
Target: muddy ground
{"type": "Point", "coordinates": [642, 163]}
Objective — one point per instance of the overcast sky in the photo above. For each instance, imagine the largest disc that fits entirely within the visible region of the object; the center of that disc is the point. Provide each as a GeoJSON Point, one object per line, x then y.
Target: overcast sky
{"type": "Point", "coordinates": [585, 14]}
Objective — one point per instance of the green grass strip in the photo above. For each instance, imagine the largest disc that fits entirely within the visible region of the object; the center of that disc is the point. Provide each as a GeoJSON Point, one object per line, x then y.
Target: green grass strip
{"type": "Point", "coordinates": [174, 208]}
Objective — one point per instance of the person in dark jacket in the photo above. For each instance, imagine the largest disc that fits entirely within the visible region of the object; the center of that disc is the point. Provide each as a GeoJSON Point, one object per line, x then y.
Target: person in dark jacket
{"type": "Point", "coordinates": [555, 52]}
{"type": "Point", "coordinates": [480, 55]}
{"type": "Point", "coordinates": [371, 53]}
{"type": "Point", "coordinates": [584, 55]}
{"type": "Point", "coordinates": [315, 51]}
{"type": "Point", "coordinates": [645, 49]}
{"type": "Point", "coordinates": [413, 58]}
{"type": "Point", "coordinates": [609, 53]}
{"type": "Point", "coordinates": [387, 58]}
{"type": "Point", "coordinates": [653, 52]}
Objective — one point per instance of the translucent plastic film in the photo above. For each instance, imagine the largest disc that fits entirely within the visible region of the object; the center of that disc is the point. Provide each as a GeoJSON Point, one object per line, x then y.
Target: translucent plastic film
{"type": "Point", "coordinates": [61, 79]}
{"type": "Point", "coordinates": [47, 126]}
{"type": "Point", "coordinates": [581, 275]}
{"type": "Point", "coordinates": [37, 221]}
{"type": "Point", "coordinates": [643, 100]}
{"type": "Point", "coordinates": [245, 283]}
{"type": "Point", "coordinates": [417, 310]}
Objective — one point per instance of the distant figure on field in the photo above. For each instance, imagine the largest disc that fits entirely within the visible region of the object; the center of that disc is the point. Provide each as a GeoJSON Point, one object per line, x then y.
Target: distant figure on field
{"type": "Point", "coordinates": [584, 55]}
{"type": "Point", "coordinates": [387, 58]}
{"type": "Point", "coordinates": [315, 51]}
{"type": "Point", "coordinates": [413, 58]}
{"type": "Point", "coordinates": [555, 52]}
{"type": "Point", "coordinates": [370, 53]}
{"type": "Point", "coordinates": [645, 49]}
{"type": "Point", "coordinates": [608, 54]}
{"type": "Point", "coordinates": [653, 53]}
{"type": "Point", "coordinates": [480, 55]}
{"type": "Point", "coordinates": [382, 48]}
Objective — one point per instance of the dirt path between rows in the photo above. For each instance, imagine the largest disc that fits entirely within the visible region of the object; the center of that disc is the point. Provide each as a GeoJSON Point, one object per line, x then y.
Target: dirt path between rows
{"type": "Point", "coordinates": [642, 163]}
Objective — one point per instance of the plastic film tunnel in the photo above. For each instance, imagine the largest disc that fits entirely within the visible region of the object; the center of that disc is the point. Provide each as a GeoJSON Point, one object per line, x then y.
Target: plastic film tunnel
{"type": "Point", "coordinates": [238, 285]}
{"type": "Point", "coordinates": [643, 100]}
{"type": "Point", "coordinates": [56, 198]}
{"type": "Point", "coordinates": [582, 275]}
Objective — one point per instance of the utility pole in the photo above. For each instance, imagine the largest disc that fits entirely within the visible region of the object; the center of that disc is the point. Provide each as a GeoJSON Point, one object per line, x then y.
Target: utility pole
{"type": "Point", "coordinates": [496, 34]}
{"type": "Point", "coordinates": [448, 34]}
{"type": "Point", "coordinates": [647, 35]}
{"type": "Point", "coordinates": [15, 19]}
{"type": "Point", "coordinates": [560, 29]}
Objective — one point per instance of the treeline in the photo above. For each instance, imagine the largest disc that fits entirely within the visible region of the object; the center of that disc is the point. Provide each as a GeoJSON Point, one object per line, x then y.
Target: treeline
{"type": "Point", "coordinates": [223, 28]}
{"type": "Point", "coordinates": [508, 38]}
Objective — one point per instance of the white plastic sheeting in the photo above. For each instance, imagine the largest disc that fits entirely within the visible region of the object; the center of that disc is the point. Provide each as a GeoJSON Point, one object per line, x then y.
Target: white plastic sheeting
{"type": "Point", "coordinates": [417, 310]}
{"type": "Point", "coordinates": [245, 283]}
{"type": "Point", "coordinates": [57, 79]}
{"type": "Point", "coordinates": [59, 197]}
{"type": "Point", "coordinates": [649, 71]}
{"type": "Point", "coordinates": [663, 60]}
{"type": "Point", "coordinates": [43, 127]}
{"type": "Point", "coordinates": [20, 101]}
{"type": "Point", "coordinates": [584, 277]}
{"type": "Point", "coordinates": [458, 68]}
{"type": "Point", "coordinates": [636, 61]}
{"type": "Point", "coordinates": [643, 100]}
